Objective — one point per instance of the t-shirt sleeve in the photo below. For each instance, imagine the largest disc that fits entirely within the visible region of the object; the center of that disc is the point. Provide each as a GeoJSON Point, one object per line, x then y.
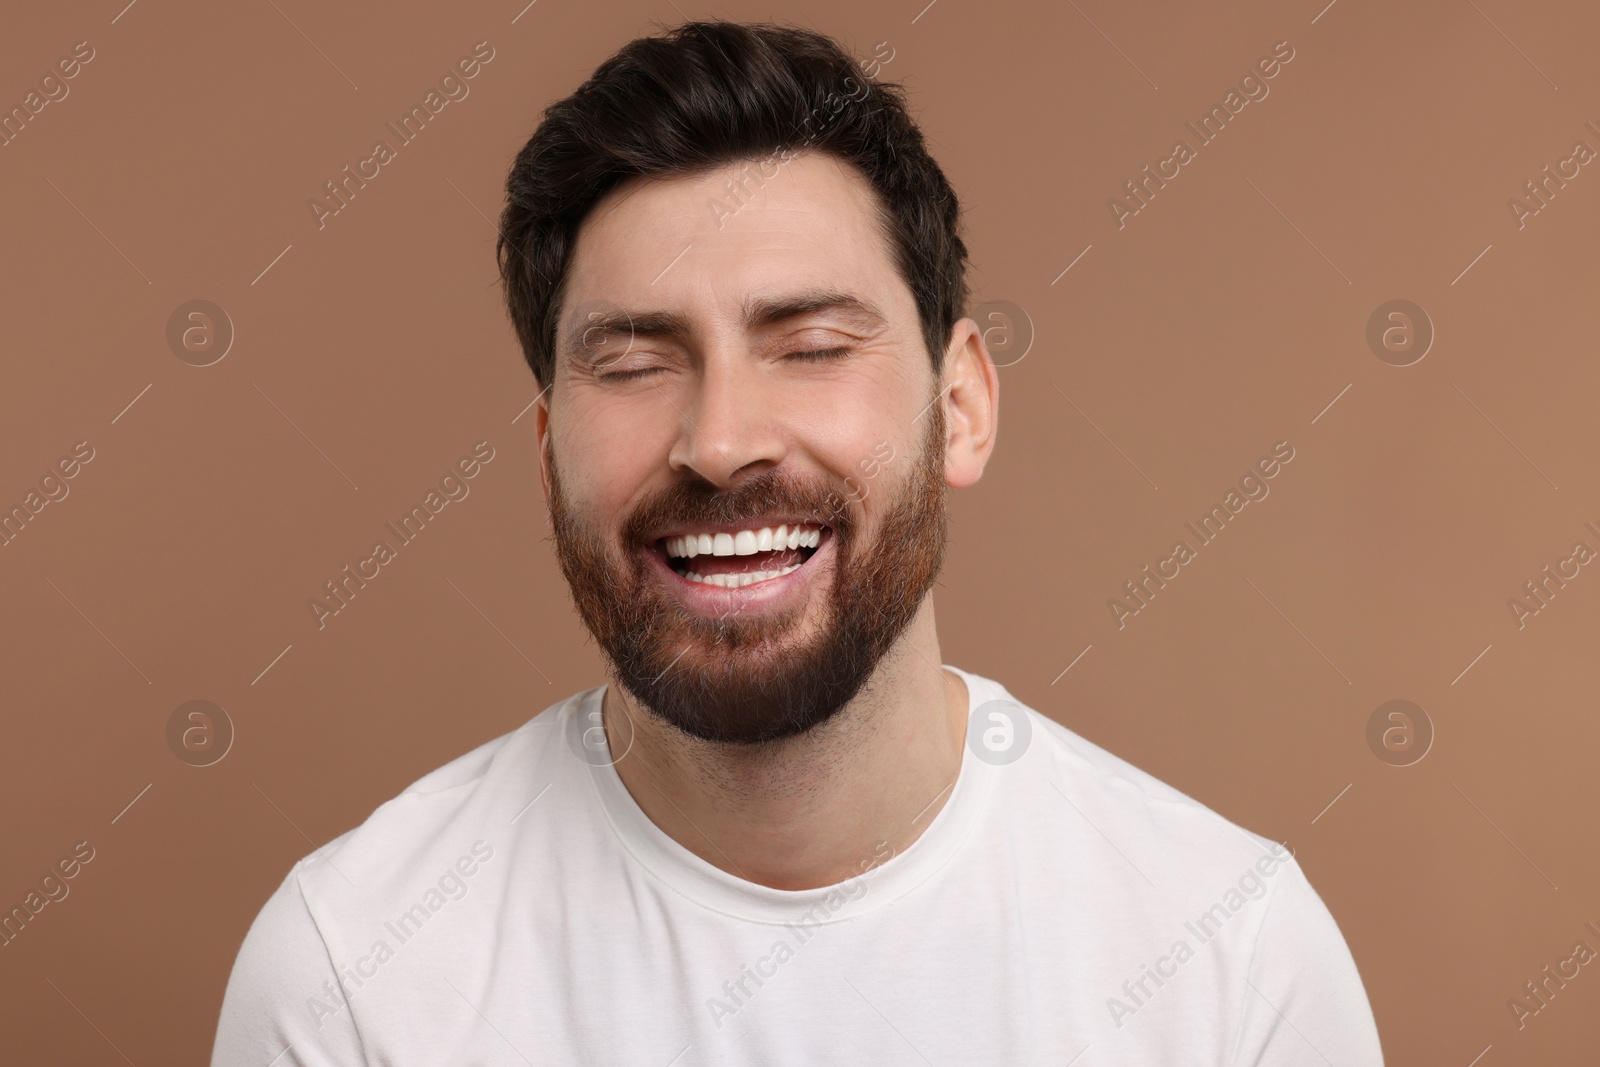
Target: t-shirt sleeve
{"type": "Point", "coordinates": [1304, 1003]}
{"type": "Point", "coordinates": [284, 1005]}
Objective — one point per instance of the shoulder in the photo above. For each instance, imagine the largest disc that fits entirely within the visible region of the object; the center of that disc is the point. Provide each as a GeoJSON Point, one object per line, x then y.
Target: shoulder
{"type": "Point", "coordinates": [290, 980]}
{"type": "Point", "coordinates": [1061, 772]}
{"type": "Point", "coordinates": [457, 795]}
{"type": "Point", "coordinates": [1092, 778]}
{"type": "Point", "coordinates": [1093, 775]}
{"type": "Point", "coordinates": [1166, 871]}
{"type": "Point", "coordinates": [439, 821]}
{"type": "Point", "coordinates": [283, 991]}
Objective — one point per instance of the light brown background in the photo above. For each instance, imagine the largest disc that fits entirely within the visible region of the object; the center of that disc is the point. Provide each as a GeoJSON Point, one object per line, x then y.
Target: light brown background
{"type": "Point", "coordinates": [1225, 317]}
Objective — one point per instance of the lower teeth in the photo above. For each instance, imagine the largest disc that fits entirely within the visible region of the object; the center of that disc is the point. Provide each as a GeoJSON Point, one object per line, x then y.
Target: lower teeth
{"type": "Point", "coordinates": [735, 581]}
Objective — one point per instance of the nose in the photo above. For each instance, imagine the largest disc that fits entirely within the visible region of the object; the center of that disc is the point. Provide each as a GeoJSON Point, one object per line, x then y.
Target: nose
{"type": "Point", "coordinates": [729, 420]}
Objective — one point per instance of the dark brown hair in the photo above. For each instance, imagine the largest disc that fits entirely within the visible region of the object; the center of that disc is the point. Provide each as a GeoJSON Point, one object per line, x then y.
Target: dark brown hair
{"type": "Point", "coordinates": [703, 95]}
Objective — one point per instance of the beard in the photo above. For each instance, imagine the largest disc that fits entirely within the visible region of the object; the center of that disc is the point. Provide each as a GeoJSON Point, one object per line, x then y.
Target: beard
{"type": "Point", "coordinates": [748, 680]}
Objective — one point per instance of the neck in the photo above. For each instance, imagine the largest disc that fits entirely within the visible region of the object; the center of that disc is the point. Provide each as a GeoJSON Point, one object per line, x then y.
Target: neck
{"type": "Point", "coordinates": [807, 811]}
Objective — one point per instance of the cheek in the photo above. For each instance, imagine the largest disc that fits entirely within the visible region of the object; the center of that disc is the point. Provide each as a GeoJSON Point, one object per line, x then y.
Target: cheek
{"type": "Point", "coordinates": [856, 433]}
{"type": "Point", "coordinates": [603, 460]}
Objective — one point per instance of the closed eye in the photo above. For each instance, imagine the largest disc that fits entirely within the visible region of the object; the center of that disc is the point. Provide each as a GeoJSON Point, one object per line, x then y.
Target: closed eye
{"type": "Point", "coordinates": [806, 355]}
{"type": "Point", "coordinates": [624, 375]}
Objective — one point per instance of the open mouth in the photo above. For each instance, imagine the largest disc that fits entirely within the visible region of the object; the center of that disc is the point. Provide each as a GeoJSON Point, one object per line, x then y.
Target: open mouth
{"type": "Point", "coordinates": [734, 559]}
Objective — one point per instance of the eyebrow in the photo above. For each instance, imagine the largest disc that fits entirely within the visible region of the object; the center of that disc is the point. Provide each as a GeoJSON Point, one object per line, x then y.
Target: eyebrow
{"type": "Point", "coordinates": [758, 314]}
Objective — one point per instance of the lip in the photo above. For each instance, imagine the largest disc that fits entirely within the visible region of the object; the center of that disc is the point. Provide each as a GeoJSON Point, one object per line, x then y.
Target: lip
{"type": "Point", "coordinates": [732, 528]}
{"type": "Point", "coordinates": [770, 595]}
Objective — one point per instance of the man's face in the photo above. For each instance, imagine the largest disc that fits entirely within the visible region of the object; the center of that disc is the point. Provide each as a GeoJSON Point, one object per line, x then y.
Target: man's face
{"type": "Point", "coordinates": [744, 451]}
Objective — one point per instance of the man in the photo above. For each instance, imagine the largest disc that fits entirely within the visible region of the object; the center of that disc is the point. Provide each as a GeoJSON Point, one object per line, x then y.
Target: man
{"type": "Point", "coordinates": [784, 833]}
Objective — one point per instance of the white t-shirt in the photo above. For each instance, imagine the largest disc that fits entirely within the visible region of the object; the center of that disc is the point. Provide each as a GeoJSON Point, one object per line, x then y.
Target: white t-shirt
{"type": "Point", "coordinates": [1063, 907]}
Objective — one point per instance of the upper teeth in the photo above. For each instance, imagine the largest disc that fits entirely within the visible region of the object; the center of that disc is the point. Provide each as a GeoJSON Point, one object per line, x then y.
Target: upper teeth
{"type": "Point", "coordinates": [743, 543]}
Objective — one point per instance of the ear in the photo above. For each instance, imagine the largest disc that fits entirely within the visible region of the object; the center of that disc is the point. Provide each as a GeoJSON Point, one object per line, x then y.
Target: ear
{"type": "Point", "coordinates": [971, 390]}
{"type": "Point", "coordinates": [541, 430]}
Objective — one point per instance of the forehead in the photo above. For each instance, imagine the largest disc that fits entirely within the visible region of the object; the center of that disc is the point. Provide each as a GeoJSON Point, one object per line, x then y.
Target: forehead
{"type": "Point", "coordinates": [688, 244]}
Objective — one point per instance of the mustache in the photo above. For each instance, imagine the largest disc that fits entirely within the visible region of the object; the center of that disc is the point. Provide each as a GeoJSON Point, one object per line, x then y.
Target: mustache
{"type": "Point", "coordinates": [695, 501]}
